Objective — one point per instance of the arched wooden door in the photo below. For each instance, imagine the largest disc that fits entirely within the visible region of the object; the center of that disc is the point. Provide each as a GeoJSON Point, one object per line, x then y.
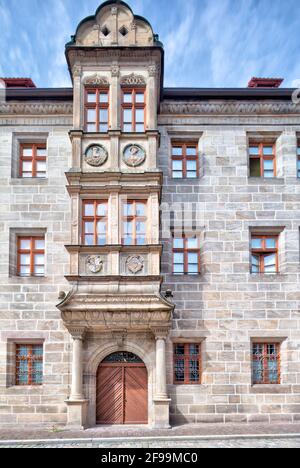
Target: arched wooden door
{"type": "Point", "coordinates": [122, 390]}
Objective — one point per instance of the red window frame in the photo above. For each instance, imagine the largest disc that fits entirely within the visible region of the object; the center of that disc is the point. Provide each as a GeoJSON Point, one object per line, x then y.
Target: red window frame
{"type": "Point", "coordinates": [94, 219]}
{"type": "Point", "coordinates": [34, 354]}
{"type": "Point", "coordinates": [186, 358]}
{"type": "Point", "coordinates": [134, 218]}
{"type": "Point", "coordinates": [186, 250]}
{"type": "Point", "coordinates": [185, 158]}
{"type": "Point", "coordinates": [133, 106]}
{"type": "Point", "coordinates": [97, 106]}
{"type": "Point", "coordinates": [266, 353]}
{"type": "Point", "coordinates": [263, 157]}
{"type": "Point", "coordinates": [264, 251]}
{"type": "Point", "coordinates": [32, 252]}
{"type": "Point", "coordinates": [34, 159]}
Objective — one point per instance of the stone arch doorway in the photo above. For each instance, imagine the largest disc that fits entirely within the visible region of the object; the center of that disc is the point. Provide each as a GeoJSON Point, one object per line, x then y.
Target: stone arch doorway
{"type": "Point", "coordinates": [122, 390]}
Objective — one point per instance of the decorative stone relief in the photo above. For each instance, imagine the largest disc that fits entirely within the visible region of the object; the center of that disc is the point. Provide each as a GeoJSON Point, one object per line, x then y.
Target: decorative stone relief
{"type": "Point", "coordinates": [95, 80]}
{"type": "Point", "coordinates": [96, 155]}
{"type": "Point", "coordinates": [153, 70]}
{"type": "Point", "coordinates": [134, 155]}
{"type": "Point", "coordinates": [94, 264]}
{"type": "Point", "coordinates": [135, 264]}
{"type": "Point", "coordinates": [115, 71]}
{"type": "Point", "coordinates": [133, 80]}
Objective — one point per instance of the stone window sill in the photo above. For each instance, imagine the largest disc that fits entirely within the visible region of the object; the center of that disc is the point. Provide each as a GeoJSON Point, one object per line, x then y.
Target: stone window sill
{"type": "Point", "coordinates": [266, 181]}
{"type": "Point", "coordinates": [269, 389]}
{"type": "Point", "coordinates": [29, 181]}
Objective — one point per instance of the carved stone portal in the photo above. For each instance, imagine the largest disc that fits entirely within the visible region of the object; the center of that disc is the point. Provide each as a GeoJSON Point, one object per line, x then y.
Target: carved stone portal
{"type": "Point", "coordinates": [95, 264]}
{"type": "Point", "coordinates": [96, 155]}
{"type": "Point", "coordinates": [134, 155]}
{"type": "Point", "coordinates": [135, 264]}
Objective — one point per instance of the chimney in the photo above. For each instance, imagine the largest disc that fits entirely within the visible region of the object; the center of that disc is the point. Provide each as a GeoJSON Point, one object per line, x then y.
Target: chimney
{"type": "Point", "coordinates": [18, 82]}
{"type": "Point", "coordinates": [265, 82]}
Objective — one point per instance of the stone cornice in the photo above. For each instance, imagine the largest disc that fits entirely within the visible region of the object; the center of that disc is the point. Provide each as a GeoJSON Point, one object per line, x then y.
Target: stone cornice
{"type": "Point", "coordinates": [230, 108]}
{"type": "Point", "coordinates": [38, 108]}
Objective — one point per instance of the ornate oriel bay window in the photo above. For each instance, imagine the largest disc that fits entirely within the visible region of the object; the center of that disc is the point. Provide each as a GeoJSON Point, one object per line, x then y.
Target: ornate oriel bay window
{"type": "Point", "coordinates": [134, 222]}
{"type": "Point", "coordinates": [265, 363]}
{"type": "Point", "coordinates": [187, 363]}
{"type": "Point", "coordinates": [29, 364]}
{"type": "Point", "coordinates": [94, 222]}
{"type": "Point", "coordinates": [133, 109]}
{"type": "Point", "coordinates": [96, 110]}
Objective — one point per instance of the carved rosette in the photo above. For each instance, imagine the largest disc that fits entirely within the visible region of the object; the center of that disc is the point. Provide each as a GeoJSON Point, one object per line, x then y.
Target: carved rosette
{"type": "Point", "coordinates": [95, 80]}
{"type": "Point", "coordinates": [134, 155]}
{"type": "Point", "coordinates": [96, 155]}
{"type": "Point", "coordinates": [94, 264]}
{"type": "Point", "coordinates": [133, 80]}
{"type": "Point", "coordinates": [135, 264]}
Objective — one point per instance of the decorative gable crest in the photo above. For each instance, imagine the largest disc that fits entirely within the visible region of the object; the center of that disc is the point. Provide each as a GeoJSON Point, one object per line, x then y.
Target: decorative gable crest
{"type": "Point", "coordinates": [133, 80]}
{"type": "Point", "coordinates": [96, 80]}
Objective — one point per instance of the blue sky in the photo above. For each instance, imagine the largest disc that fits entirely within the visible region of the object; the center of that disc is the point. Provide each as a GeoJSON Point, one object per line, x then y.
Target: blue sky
{"type": "Point", "coordinates": [207, 42]}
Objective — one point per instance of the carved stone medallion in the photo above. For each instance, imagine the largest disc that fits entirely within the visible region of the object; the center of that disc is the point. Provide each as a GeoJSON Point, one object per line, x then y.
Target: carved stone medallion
{"type": "Point", "coordinates": [96, 155]}
{"type": "Point", "coordinates": [94, 264]}
{"type": "Point", "coordinates": [134, 155]}
{"type": "Point", "coordinates": [135, 264]}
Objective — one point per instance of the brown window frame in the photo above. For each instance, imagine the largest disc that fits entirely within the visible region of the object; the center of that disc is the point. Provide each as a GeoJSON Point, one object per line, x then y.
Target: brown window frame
{"type": "Point", "coordinates": [134, 219]}
{"type": "Point", "coordinates": [133, 106]}
{"type": "Point", "coordinates": [264, 251]}
{"type": "Point", "coordinates": [32, 252]}
{"type": "Point", "coordinates": [97, 106]}
{"type": "Point", "coordinates": [186, 250]}
{"type": "Point", "coordinates": [263, 157]}
{"type": "Point", "coordinates": [30, 358]}
{"type": "Point", "coordinates": [185, 158]}
{"type": "Point", "coordinates": [94, 219]}
{"type": "Point", "coordinates": [34, 159]}
{"type": "Point", "coordinates": [187, 357]}
{"type": "Point", "coordinates": [266, 356]}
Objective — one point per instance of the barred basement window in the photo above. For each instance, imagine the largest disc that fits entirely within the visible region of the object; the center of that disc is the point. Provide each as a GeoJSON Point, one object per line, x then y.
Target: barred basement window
{"type": "Point", "coordinates": [29, 364]}
{"type": "Point", "coordinates": [97, 110]}
{"type": "Point", "coordinates": [94, 222]}
{"type": "Point", "coordinates": [262, 160]}
{"type": "Point", "coordinates": [185, 162]}
{"type": "Point", "coordinates": [133, 109]}
{"type": "Point", "coordinates": [264, 254]}
{"type": "Point", "coordinates": [265, 363]}
{"type": "Point", "coordinates": [33, 160]}
{"type": "Point", "coordinates": [134, 221]}
{"type": "Point", "coordinates": [187, 364]}
{"type": "Point", "coordinates": [31, 256]}
{"type": "Point", "coordinates": [186, 256]}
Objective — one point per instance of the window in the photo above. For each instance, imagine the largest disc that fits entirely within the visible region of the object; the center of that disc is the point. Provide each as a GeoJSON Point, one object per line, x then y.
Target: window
{"type": "Point", "coordinates": [298, 159]}
{"type": "Point", "coordinates": [134, 219]}
{"type": "Point", "coordinates": [184, 161]}
{"type": "Point", "coordinates": [96, 110]}
{"type": "Point", "coordinates": [31, 256]}
{"type": "Point", "coordinates": [186, 256]}
{"type": "Point", "coordinates": [264, 253]}
{"type": "Point", "coordinates": [33, 160]}
{"type": "Point", "coordinates": [187, 364]}
{"type": "Point", "coordinates": [262, 160]}
{"type": "Point", "coordinates": [133, 109]}
{"type": "Point", "coordinates": [94, 222]}
{"type": "Point", "coordinates": [29, 364]}
{"type": "Point", "coordinates": [265, 363]}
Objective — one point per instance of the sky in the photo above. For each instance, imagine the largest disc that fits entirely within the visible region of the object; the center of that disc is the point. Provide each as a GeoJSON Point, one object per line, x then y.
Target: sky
{"type": "Point", "coordinates": [208, 43]}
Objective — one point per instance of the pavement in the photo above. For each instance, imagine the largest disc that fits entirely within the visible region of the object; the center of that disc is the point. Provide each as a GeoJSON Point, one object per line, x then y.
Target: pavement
{"type": "Point", "coordinates": [187, 436]}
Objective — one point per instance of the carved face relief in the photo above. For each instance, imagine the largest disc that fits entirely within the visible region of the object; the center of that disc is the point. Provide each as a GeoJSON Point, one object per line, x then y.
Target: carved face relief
{"type": "Point", "coordinates": [134, 155]}
{"type": "Point", "coordinates": [135, 264]}
{"type": "Point", "coordinates": [96, 155]}
{"type": "Point", "coordinates": [94, 264]}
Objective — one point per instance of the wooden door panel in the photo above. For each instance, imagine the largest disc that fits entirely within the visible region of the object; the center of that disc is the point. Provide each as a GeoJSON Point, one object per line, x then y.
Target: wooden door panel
{"type": "Point", "coordinates": [136, 395]}
{"type": "Point", "coordinates": [110, 395]}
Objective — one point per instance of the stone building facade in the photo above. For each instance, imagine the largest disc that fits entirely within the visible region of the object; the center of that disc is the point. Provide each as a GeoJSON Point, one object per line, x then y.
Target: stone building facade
{"type": "Point", "coordinates": [149, 243]}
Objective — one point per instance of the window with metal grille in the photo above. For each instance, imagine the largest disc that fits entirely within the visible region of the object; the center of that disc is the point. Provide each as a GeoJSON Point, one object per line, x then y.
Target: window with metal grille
{"type": "Point", "coordinates": [96, 110]}
{"type": "Point", "coordinates": [264, 254]}
{"type": "Point", "coordinates": [185, 162]}
{"type": "Point", "coordinates": [265, 363]}
{"type": "Point", "coordinates": [133, 110]}
{"type": "Point", "coordinates": [262, 160]}
{"type": "Point", "coordinates": [94, 222]}
{"type": "Point", "coordinates": [186, 256]}
{"type": "Point", "coordinates": [29, 364]}
{"type": "Point", "coordinates": [134, 220]}
{"type": "Point", "coordinates": [31, 256]}
{"type": "Point", "coordinates": [33, 158]}
{"type": "Point", "coordinates": [187, 364]}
